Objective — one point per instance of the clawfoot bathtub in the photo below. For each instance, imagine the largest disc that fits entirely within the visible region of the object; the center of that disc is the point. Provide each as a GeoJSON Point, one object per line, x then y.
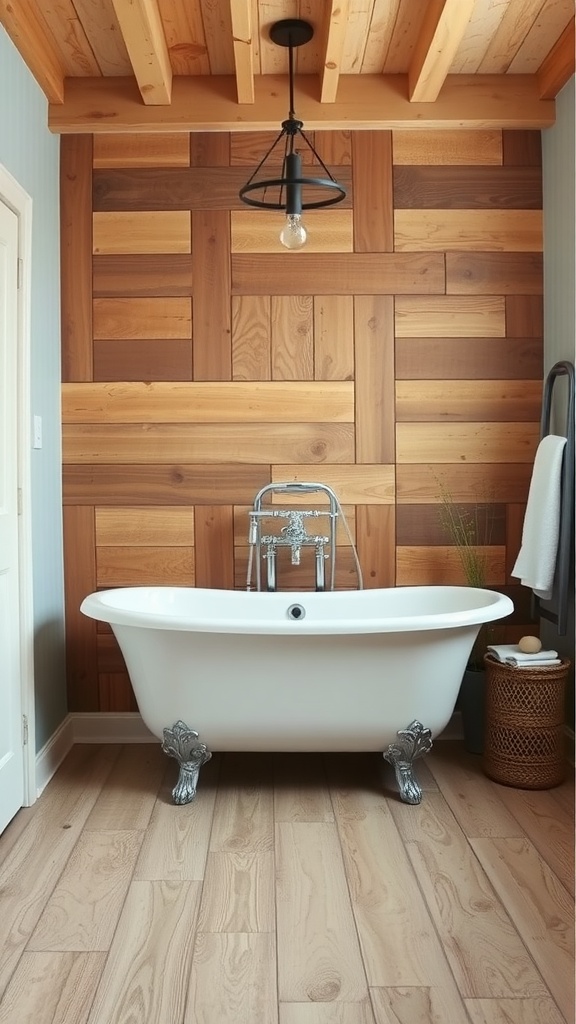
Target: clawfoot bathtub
{"type": "Point", "coordinates": [360, 670]}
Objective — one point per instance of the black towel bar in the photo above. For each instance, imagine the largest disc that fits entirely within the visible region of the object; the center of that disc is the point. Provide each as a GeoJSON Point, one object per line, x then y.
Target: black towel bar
{"type": "Point", "coordinates": [556, 610]}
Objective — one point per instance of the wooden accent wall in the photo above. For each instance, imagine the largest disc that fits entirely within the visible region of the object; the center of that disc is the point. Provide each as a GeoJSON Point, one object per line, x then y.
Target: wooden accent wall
{"type": "Point", "coordinates": [400, 352]}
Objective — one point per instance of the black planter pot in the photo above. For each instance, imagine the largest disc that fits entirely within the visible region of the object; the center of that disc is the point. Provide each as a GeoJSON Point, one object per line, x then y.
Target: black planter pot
{"type": "Point", "coordinates": [472, 703]}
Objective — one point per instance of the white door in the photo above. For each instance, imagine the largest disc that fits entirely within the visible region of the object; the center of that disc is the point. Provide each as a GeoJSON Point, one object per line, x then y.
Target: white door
{"type": "Point", "coordinates": [11, 752]}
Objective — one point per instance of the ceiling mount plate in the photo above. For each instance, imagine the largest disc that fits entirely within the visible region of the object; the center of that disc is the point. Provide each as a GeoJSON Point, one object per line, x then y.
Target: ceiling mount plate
{"type": "Point", "coordinates": [291, 32]}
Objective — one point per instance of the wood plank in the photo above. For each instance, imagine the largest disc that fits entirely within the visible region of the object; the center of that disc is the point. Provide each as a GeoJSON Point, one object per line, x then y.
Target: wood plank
{"type": "Point", "coordinates": [333, 337]}
{"type": "Point", "coordinates": [467, 358]}
{"type": "Point", "coordinates": [415, 1003]}
{"type": "Point", "coordinates": [143, 34]}
{"type": "Point", "coordinates": [126, 802]}
{"type": "Point", "coordinates": [524, 316]}
{"type": "Point", "coordinates": [326, 1013]}
{"type": "Point", "coordinates": [232, 977]}
{"type": "Point", "coordinates": [142, 359]}
{"type": "Point", "coordinates": [354, 485]}
{"type": "Point", "coordinates": [142, 318]}
{"type": "Point", "coordinates": [292, 337]}
{"type": "Point", "coordinates": [185, 37]}
{"type": "Point", "coordinates": [166, 443]}
{"type": "Point", "coordinates": [211, 295]}
{"type": "Point", "coordinates": [367, 101]}
{"type": "Point", "coordinates": [524, 148]}
{"type": "Point", "coordinates": [318, 952]}
{"type": "Point", "coordinates": [473, 442]}
{"type": "Point", "coordinates": [540, 908]}
{"type": "Point", "coordinates": [374, 377]}
{"type": "Point", "coordinates": [475, 400]}
{"type": "Point", "coordinates": [448, 316]}
{"type": "Point", "coordinates": [80, 580]}
{"type": "Point", "coordinates": [376, 544]}
{"type": "Point", "coordinates": [437, 187]}
{"type": "Point", "coordinates": [335, 23]}
{"type": "Point", "coordinates": [487, 273]}
{"type": "Point", "coordinates": [171, 149]}
{"type": "Point", "coordinates": [513, 1011]}
{"type": "Point", "coordinates": [485, 952]}
{"type": "Point", "coordinates": [334, 148]}
{"type": "Point", "coordinates": [144, 526]}
{"type": "Point", "coordinates": [214, 555]}
{"type": "Point", "coordinates": [162, 485]}
{"type": "Point", "coordinates": [234, 402]}
{"type": "Point", "coordinates": [437, 44]}
{"type": "Point", "coordinates": [151, 955]}
{"type": "Point", "coordinates": [251, 337]}
{"type": "Point", "coordinates": [110, 657]}
{"type": "Point", "coordinates": [28, 32]}
{"type": "Point", "coordinates": [401, 273]}
{"type": "Point", "coordinates": [241, 15]}
{"type": "Point", "coordinates": [144, 566]}
{"type": "Point", "coordinates": [52, 988]}
{"type": "Point", "coordinates": [511, 31]}
{"type": "Point", "coordinates": [300, 788]}
{"type": "Point", "coordinates": [176, 841]}
{"type": "Point", "coordinates": [84, 908]}
{"type": "Point", "coordinates": [418, 483]}
{"type": "Point", "coordinates": [474, 800]}
{"type": "Point", "coordinates": [115, 692]}
{"type": "Point", "coordinates": [238, 892]}
{"type": "Point", "coordinates": [553, 837]}
{"type": "Point", "coordinates": [490, 230]}
{"type": "Point", "coordinates": [423, 524]}
{"type": "Point", "coordinates": [106, 40]}
{"type": "Point", "coordinates": [75, 256]}
{"type": "Point", "coordinates": [424, 565]}
{"type": "Point", "coordinates": [258, 231]}
{"type": "Point", "coordinates": [141, 275]}
{"type": "Point", "coordinates": [149, 231]}
{"type": "Point", "coordinates": [374, 206]}
{"type": "Point", "coordinates": [447, 147]}
{"type": "Point", "coordinates": [244, 809]}
{"type": "Point", "coordinates": [558, 66]}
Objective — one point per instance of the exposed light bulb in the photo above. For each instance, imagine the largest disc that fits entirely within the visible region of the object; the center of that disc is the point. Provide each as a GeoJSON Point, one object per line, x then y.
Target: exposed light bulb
{"type": "Point", "coordinates": [293, 234]}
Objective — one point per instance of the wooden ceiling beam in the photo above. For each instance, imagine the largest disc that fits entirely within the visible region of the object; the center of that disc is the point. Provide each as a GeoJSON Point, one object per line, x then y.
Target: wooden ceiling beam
{"type": "Point", "coordinates": [558, 67]}
{"type": "Point", "coordinates": [143, 33]}
{"type": "Point", "coordinates": [241, 16]}
{"type": "Point", "coordinates": [335, 34]}
{"type": "Point", "coordinates": [202, 103]}
{"type": "Point", "coordinates": [35, 47]}
{"type": "Point", "coordinates": [442, 32]}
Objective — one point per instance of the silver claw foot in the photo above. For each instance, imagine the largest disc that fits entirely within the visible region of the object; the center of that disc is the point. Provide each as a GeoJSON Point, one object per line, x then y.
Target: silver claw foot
{"type": "Point", "coordinates": [413, 742]}
{"type": "Point", "coordinates": [182, 743]}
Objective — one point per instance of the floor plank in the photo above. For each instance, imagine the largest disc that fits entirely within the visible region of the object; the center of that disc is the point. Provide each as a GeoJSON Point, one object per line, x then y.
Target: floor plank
{"type": "Point", "coordinates": [536, 812]}
{"type": "Point", "coordinates": [238, 893]}
{"type": "Point", "coordinates": [513, 1011]}
{"type": "Point", "coordinates": [472, 798]}
{"type": "Point", "coordinates": [409, 1005]}
{"type": "Point", "coordinates": [83, 911]}
{"type": "Point", "coordinates": [52, 988]}
{"type": "Point", "coordinates": [148, 967]}
{"type": "Point", "coordinates": [540, 908]}
{"type": "Point", "coordinates": [485, 952]}
{"type": "Point", "coordinates": [318, 952]}
{"type": "Point", "coordinates": [233, 979]}
{"type": "Point", "coordinates": [244, 816]}
{"type": "Point", "coordinates": [300, 789]}
{"type": "Point", "coordinates": [130, 793]}
{"type": "Point", "coordinates": [326, 1013]}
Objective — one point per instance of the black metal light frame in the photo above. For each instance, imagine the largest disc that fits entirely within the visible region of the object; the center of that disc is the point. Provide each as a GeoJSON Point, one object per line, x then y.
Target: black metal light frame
{"type": "Point", "coordinates": [291, 32]}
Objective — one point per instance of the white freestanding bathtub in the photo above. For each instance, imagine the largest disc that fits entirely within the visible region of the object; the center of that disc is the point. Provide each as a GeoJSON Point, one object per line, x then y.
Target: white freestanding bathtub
{"type": "Point", "coordinates": [359, 670]}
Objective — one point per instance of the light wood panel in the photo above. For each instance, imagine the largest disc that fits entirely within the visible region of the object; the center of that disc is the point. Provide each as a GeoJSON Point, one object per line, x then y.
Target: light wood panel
{"type": "Point", "coordinates": [142, 318]}
{"type": "Point", "coordinates": [291, 337]}
{"type": "Point", "coordinates": [374, 377]}
{"type": "Point", "coordinates": [401, 273]}
{"type": "Point", "coordinates": [374, 216]}
{"type": "Point", "coordinates": [471, 442]}
{"type": "Point", "coordinates": [52, 988]}
{"type": "Point", "coordinates": [172, 149]}
{"type": "Point", "coordinates": [162, 485]}
{"type": "Point", "coordinates": [333, 337]}
{"type": "Point", "coordinates": [438, 564]}
{"type": "Point", "coordinates": [144, 527]}
{"type": "Point", "coordinates": [211, 295]}
{"type": "Point", "coordinates": [445, 147]}
{"type": "Point", "coordinates": [259, 231]}
{"type": "Point", "coordinates": [449, 316]}
{"type": "Point", "coordinates": [144, 566]}
{"type": "Point", "coordinates": [489, 230]}
{"type": "Point", "coordinates": [142, 232]}
{"type": "Point", "coordinates": [477, 400]}
{"type": "Point", "coordinates": [251, 337]}
{"type": "Point", "coordinates": [356, 485]}
{"type": "Point", "coordinates": [233, 975]}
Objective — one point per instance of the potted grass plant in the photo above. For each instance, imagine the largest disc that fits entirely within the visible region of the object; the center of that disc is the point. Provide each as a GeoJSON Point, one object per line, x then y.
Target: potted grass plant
{"type": "Point", "coordinates": [469, 529]}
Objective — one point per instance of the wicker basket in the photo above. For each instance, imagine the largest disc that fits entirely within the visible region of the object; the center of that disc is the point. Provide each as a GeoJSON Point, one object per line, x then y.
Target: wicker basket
{"type": "Point", "coordinates": [524, 741]}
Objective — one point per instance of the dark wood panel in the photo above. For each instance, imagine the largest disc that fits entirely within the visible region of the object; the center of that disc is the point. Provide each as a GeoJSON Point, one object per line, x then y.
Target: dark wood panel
{"type": "Point", "coordinates": [141, 275]}
{"type": "Point", "coordinates": [524, 316]}
{"type": "Point", "coordinates": [373, 211]}
{"type": "Point", "coordinates": [467, 188]}
{"type": "Point", "coordinates": [522, 148]}
{"type": "Point", "coordinates": [178, 188]}
{"type": "Point", "coordinates": [424, 524]}
{"type": "Point", "coordinates": [163, 485]}
{"type": "Point", "coordinates": [468, 358]}
{"type": "Point", "coordinates": [400, 273]}
{"type": "Point", "coordinates": [145, 360]}
{"type": "Point", "coordinates": [115, 692]}
{"type": "Point", "coordinates": [490, 273]}
{"type": "Point", "coordinates": [211, 309]}
{"type": "Point", "coordinates": [80, 580]}
{"type": "Point", "coordinates": [110, 658]}
{"type": "Point", "coordinates": [374, 376]}
{"type": "Point", "coordinates": [76, 256]}
{"type": "Point", "coordinates": [376, 544]}
{"type": "Point", "coordinates": [214, 546]}
{"type": "Point", "coordinates": [209, 149]}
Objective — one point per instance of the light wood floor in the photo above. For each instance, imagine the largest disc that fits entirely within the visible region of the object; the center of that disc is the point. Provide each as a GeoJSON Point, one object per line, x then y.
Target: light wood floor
{"type": "Point", "coordinates": [294, 890]}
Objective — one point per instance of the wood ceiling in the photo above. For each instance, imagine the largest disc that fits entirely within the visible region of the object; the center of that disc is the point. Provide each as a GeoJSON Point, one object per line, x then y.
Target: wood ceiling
{"type": "Point", "coordinates": [209, 65]}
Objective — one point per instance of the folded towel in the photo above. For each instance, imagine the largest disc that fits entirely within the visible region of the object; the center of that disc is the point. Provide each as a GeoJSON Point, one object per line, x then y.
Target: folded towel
{"type": "Point", "coordinates": [536, 560]}
{"type": "Point", "coordinates": [510, 655]}
{"type": "Point", "coordinates": [533, 664]}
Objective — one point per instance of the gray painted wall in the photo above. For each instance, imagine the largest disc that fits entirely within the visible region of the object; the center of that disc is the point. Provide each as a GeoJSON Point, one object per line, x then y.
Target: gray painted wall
{"type": "Point", "coordinates": [31, 154]}
{"type": "Point", "coordinates": [559, 177]}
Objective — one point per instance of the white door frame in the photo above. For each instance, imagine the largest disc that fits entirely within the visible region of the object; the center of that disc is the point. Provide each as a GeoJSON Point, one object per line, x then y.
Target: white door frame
{"type": "Point", "coordinates": [14, 196]}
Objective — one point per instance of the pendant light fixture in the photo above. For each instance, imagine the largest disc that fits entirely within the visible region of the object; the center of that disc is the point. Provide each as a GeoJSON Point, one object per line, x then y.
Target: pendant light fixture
{"type": "Point", "coordinates": [278, 182]}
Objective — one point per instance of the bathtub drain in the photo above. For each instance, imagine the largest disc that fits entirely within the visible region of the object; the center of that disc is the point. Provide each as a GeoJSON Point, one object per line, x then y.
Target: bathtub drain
{"type": "Point", "coordinates": [296, 611]}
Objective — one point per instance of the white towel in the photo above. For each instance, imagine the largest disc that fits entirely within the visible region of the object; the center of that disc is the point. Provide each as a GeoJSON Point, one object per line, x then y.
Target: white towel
{"type": "Point", "coordinates": [510, 655]}
{"type": "Point", "coordinates": [536, 560]}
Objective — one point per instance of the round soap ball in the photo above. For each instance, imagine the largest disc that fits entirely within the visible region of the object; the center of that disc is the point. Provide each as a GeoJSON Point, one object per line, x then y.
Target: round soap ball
{"type": "Point", "coordinates": [530, 645]}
